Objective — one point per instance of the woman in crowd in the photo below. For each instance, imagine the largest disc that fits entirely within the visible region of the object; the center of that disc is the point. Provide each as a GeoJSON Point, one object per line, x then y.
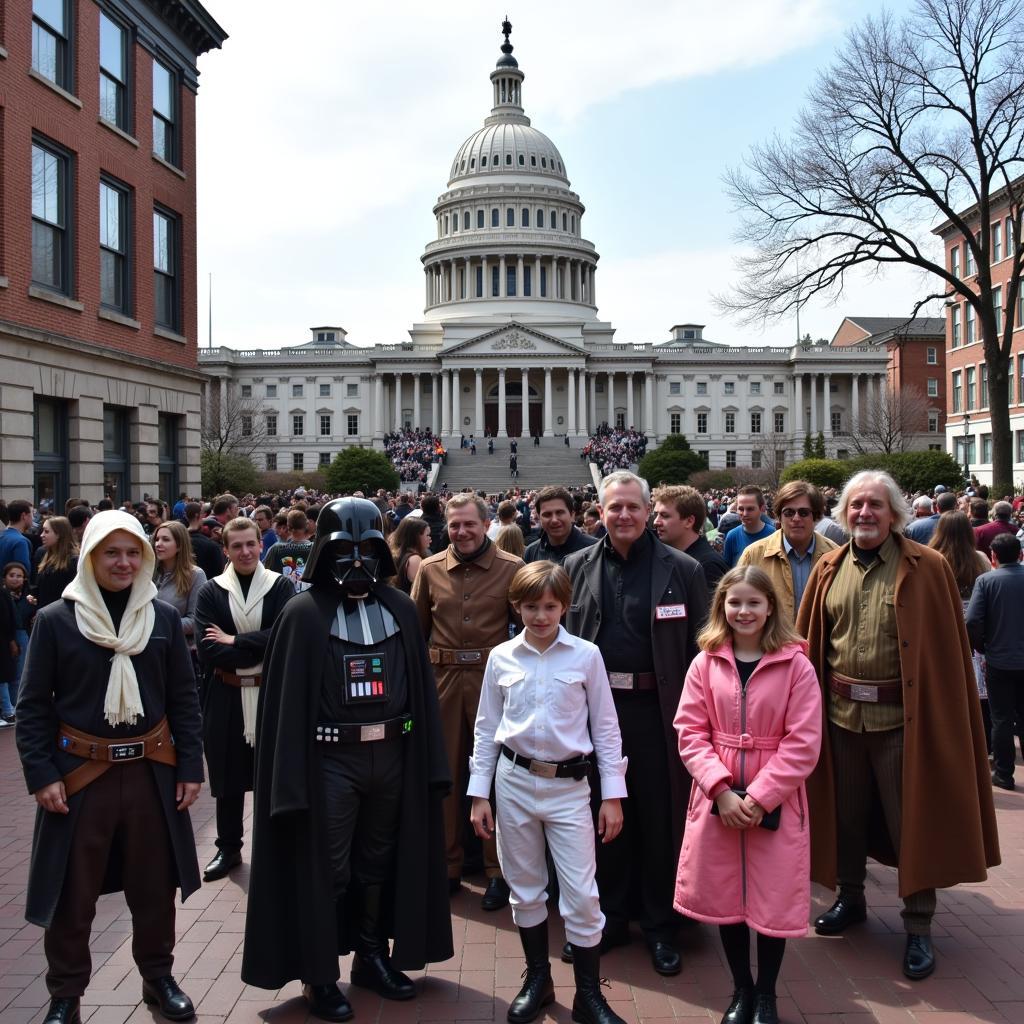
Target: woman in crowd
{"type": "Point", "coordinates": [56, 561]}
{"type": "Point", "coordinates": [177, 577]}
{"type": "Point", "coordinates": [410, 544]}
{"type": "Point", "coordinates": [15, 583]}
{"type": "Point", "coordinates": [510, 538]}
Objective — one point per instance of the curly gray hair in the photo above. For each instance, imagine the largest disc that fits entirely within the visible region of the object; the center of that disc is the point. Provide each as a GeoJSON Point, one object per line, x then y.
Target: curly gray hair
{"type": "Point", "coordinates": [901, 514]}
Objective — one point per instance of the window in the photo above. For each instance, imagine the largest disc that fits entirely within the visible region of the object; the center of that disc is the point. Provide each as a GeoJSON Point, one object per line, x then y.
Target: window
{"type": "Point", "coordinates": [730, 459]}
{"type": "Point", "coordinates": [1009, 237]}
{"type": "Point", "coordinates": [702, 387]}
{"type": "Point", "coordinates": [730, 423]}
{"type": "Point", "coordinates": [51, 251]}
{"type": "Point", "coordinates": [620, 421]}
{"type": "Point", "coordinates": [51, 52]}
{"type": "Point", "coordinates": [510, 217]}
{"type": "Point", "coordinates": [729, 387]}
{"type": "Point", "coordinates": [933, 421]}
{"type": "Point", "coordinates": [246, 426]}
{"type": "Point", "coordinates": [986, 447]}
{"type": "Point", "coordinates": [969, 259]}
{"type": "Point", "coordinates": [540, 218]}
{"type": "Point", "coordinates": [114, 276]}
{"type": "Point", "coordinates": [933, 387]}
{"type": "Point", "coordinates": [165, 266]}
{"type": "Point", "coordinates": [932, 356]}
{"type": "Point", "coordinates": [779, 387]}
{"type": "Point", "coordinates": [836, 422]}
{"type": "Point", "coordinates": [755, 423]}
{"type": "Point", "coordinates": [997, 306]}
{"type": "Point", "coordinates": [446, 224]}
{"type": "Point", "coordinates": [113, 72]}
{"type": "Point", "coordinates": [353, 424]}
{"type": "Point", "coordinates": [572, 223]}
{"type": "Point", "coordinates": [705, 455]}
{"type": "Point", "coordinates": [494, 217]}
{"type": "Point", "coordinates": [983, 403]}
{"type": "Point", "coordinates": [271, 391]}
{"type": "Point", "coordinates": [957, 391]}
{"type": "Point", "coordinates": [495, 280]}
{"type": "Point", "coordinates": [970, 387]}
{"type": "Point", "coordinates": [298, 424]}
{"type": "Point", "coordinates": [272, 462]}
{"type": "Point", "coordinates": [50, 450]}
{"type": "Point", "coordinates": [271, 425]}
{"type": "Point", "coordinates": [479, 218]}
{"type": "Point", "coordinates": [675, 424]}
{"type": "Point", "coordinates": [167, 455]}
{"type": "Point", "coordinates": [296, 391]}
{"type": "Point", "coordinates": [702, 423]}
{"type": "Point", "coordinates": [755, 459]}
{"type": "Point", "coordinates": [970, 324]}
{"type": "Point", "coordinates": [565, 221]}
{"type": "Point", "coordinates": [351, 390]}
{"type": "Point", "coordinates": [165, 95]}
{"type": "Point", "coordinates": [325, 458]}
{"type": "Point", "coordinates": [510, 280]}
{"type": "Point", "coordinates": [755, 387]}
{"type": "Point", "coordinates": [116, 455]}
{"type": "Point", "coordinates": [955, 325]}
{"type": "Point", "coordinates": [779, 423]}
{"type": "Point", "coordinates": [964, 449]}
{"type": "Point", "coordinates": [527, 280]}
{"type": "Point", "coordinates": [455, 221]}
{"type": "Point", "coordinates": [543, 282]}
{"type": "Point", "coordinates": [842, 453]}
{"type": "Point", "coordinates": [325, 426]}
{"type": "Point", "coordinates": [954, 261]}
{"type": "Point", "coordinates": [1020, 445]}
{"type": "Point", "coordinates": [246, 390]}
{"type": "Point", "coordinates": [525, 219]}
{"type": "Point", "coordinates": [325, 390]}
{"type": "Point", "coordinates": [780, 458]}
{"type": "Point", "coordinates": [673, 387]}
{"type": "Point", "coordinates": [465, 221]}
{"type": "Point", "coordinates": [997, 243]}
{"type": "Point", "coordinates": [297, 461]}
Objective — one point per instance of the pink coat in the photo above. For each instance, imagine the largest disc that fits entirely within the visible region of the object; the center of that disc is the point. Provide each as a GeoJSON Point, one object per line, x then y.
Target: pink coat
{"type": "Point", "coordinates": [768, 740]}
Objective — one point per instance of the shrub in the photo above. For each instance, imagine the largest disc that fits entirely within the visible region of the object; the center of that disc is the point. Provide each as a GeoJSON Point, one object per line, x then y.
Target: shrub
{"type": "Point", "coordinates": [820, 472]}
{"type": "Point", "coordinates": [360, 469]}
{"type": "Point", "coordinates": [671, 465]}
{"type": "Point", "coordinates": [913, 471]}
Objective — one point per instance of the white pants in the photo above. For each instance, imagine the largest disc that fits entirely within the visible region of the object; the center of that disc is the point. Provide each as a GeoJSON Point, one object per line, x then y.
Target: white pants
{"type": "Point", "coordinates": [530, 809]}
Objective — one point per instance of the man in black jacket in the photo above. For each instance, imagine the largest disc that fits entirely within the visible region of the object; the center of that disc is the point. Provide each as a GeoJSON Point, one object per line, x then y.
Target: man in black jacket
{"type": "Point", "coordinates": [559, 536]}
{"type": "Point", "coordinates": [209, 555]}
{"type": "Point", "coordinates": [679, 515]}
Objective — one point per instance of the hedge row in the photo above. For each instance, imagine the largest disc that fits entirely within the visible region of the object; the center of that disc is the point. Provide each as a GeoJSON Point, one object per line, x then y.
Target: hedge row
{"type": "Point", "coordinates": [913, 471]}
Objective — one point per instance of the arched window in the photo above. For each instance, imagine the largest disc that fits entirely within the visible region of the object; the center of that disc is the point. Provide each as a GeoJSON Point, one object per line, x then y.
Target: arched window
{"type": "Point", "coordinates": [463, 167]}
{"type": "Point", "coordinates": [455, 221]}
{"type": "Point", "coordinates": [522, 160]}
{"type": "Point", "coordinates": [465, 221]}
{"type": "Point", "coordinates": [508, 159]}
{"type": "Point", "coordinates": [533, 160]}
{"type": "Point", "coordinates": [559, 166]}
{"type": "Point", "coordinates": [510, 217]}
{"type": "Point", "coordinates": [446, 223]}
{"type": "Point", "coordinates": [472, 163]}
{"type": "Point", "coordinates": [494, 217]}
{"type": "Point", "coordinates": [564, 222]}
{"type": "Point", "coordinates": [540, 218]}
{"type": "Point", "coordinates": [479, 218]}
{"type": "Point", "coordinates": [574, 223]}
{"type": "Point", "coordinates": [526, 217]}
{"type": "Point", "coordinates": [483, 160]}
{"type": "Point", "coordinates": [543, 161]}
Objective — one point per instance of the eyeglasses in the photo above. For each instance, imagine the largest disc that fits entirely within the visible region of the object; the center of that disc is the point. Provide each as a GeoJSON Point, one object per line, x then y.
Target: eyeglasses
{"type": "Point", "coordinates": [803, 513]}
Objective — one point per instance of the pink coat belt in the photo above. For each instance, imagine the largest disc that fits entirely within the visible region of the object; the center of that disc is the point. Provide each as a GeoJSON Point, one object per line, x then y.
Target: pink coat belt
{"type": "Point", "coordinates": [745, 741]}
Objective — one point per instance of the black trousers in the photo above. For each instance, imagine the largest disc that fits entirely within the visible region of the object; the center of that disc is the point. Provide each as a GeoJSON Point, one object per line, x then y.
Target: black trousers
{"type": "Point", "coordinates": [362, 792]}
{"type": "Point", "coordinates": [636, 871]}
{"type": "Point", "coordinates": [122, 814]}
{"type": "Point", "coordinates": [230, 812]}
{"type": "Point", "coordinates": [1005, 705]}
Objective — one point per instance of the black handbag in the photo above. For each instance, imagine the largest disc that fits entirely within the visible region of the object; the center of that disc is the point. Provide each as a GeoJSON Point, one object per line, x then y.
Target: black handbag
{"type": "Point", "coordinates": [771, 819]}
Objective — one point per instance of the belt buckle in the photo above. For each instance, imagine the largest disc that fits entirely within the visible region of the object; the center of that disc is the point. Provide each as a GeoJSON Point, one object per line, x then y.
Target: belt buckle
{"type": "Point", "coordinates": [126, 752]}
{"type": "Point", "coordinates": [864, 693]}
{"type": "Point", "coordinates": [545, 769]}
{"type": "Point", "coordinates": [369, 733]}
{"type": "Point", "coordinates": [621, 680]}
{"type": "Point", "coordinates": [467, 657]}
{"type": "Point", "coordinates": [247, 681]}
{"type": "Point", "coordinates": [746, 741]}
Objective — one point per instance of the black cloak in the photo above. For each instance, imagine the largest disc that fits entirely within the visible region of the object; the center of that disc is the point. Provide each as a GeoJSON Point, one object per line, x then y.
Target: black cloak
{"type": "Point", "coordinates": [292, 930]}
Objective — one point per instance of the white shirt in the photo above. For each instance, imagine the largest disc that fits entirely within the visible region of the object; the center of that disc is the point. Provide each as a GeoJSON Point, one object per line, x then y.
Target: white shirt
{"type": "Point", "coordinates": [540, 704]}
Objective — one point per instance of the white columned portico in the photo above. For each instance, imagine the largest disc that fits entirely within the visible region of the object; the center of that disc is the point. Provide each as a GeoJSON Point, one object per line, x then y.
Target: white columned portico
{"type": "Point", "coordinates": [378, 405]}
{"type": "Point", "coordinates": [611, 399]}
{"type": "Point", "coordinates": [854, 402]}
{"type": "Point", "coordinates": [629, 401]}
{"type": "Point", "coordinates": [398, 401]}
{"type": "Point", "coordinates": [583, 418]}
{"type": "Point", "coordinates": [812, 379]}
{"type": "Point", "coordinates": [594, 417]}
{"type": "Point", "coordinates": [416, 409]}
{"type": "Point", "coordinates": [578, 273]}
{"type": "Point", "coordinates": [570, 390]}
{"type": "Point", "coordinates": [478, 418]}
{"type": "Point", "coordinates": [648, 398]}
{"type": "Point", "coordinates": [502, 422]}
{"type": "Point", "coordinates": [435, 410]}
{"type": "Point", "coordinates": [456, 402]}
{"type": "Point", "coordinates": [446, 403]}
{"type": "Point", "coordinates": [547, 402]}
{"type": "Point", "coordinates": [826, 412]}
{"type": "Point", "coordinates": [525, 431]}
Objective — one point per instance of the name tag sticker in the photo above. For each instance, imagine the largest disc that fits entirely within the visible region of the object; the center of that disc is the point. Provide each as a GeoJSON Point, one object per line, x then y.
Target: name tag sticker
{"type": "Point", "coordinates": [670, 611]}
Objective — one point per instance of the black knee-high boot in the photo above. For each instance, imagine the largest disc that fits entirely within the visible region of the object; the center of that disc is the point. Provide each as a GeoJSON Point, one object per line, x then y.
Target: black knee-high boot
{"type": "Point", "coordinates": [538, 989]}
{"type": "Point", "coordinates": [589, 1005]}
{"type": "Point", "coordinates": [371, 966]}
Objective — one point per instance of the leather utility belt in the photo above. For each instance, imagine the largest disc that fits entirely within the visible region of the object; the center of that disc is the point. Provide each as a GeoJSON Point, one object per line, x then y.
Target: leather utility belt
{"type": "Point", "coordinates": [236, 680]}
{"type": "Point", "coordinates": [633, 680]}
{"type": "Point", "coordinates": [103, 753]}
{"type": "Point", "coordinates": [366, 732]}
{"type": "Point", "coordinates": [871, 691]}
{"type": "Point", "coordinates": [574, 769]}
{"type": "Point", "coordinates": [454, 656]}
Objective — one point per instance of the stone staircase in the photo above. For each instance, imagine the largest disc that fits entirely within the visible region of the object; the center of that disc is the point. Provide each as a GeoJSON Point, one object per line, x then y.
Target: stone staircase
{"type": "Point", "coordinates": [551, 463]}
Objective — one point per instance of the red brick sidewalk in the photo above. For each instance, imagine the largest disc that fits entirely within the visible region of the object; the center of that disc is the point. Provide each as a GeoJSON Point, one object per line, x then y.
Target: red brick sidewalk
{"type": "Point", "coordinates": [854, 979]}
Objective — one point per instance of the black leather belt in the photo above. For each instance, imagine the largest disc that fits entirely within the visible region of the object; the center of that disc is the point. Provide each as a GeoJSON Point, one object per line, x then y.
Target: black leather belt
{"type": "Point", "coordinates": [574, 769]}
{"type": "Point", "coordinates": [365, 732]}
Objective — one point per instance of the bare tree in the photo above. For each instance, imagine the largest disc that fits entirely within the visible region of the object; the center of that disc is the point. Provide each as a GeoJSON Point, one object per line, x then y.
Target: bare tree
{"type": "Point", "coordinates": [234, 427]}
{"type": "Point", "coordinates": [773, 449]}
{"type": "Point", "coordinates": [915, 120]}
{"type": "Point", "coordinates": [890, 421]}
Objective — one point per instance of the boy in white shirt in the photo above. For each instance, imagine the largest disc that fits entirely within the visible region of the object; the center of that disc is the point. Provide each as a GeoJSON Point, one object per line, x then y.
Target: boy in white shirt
{"type": "Point", "coordinates": [545, 707]}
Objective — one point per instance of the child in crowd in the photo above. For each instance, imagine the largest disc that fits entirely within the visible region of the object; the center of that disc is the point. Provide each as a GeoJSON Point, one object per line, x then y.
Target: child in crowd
{"type": "Point", "coordinates": [23, 607]}
{"type": "Point", "coordinates": [749, 726]}
{"type": "Point", "coordinates": [545, 708]}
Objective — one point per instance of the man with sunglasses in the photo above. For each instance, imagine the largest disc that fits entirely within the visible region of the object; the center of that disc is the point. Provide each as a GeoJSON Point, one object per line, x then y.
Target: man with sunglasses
{"type": "Point", "coordinates": [789, 554]}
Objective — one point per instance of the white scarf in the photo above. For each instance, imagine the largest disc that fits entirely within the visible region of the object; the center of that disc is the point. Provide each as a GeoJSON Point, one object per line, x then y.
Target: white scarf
{"type": "Point", "coordinates": [122, 704]}
{"type": "Point", "coordinates": [247, 614]}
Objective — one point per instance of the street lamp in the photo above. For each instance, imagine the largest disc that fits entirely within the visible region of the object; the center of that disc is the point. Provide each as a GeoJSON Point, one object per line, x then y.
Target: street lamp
{"type": "Point", "coordinates": [967, 462]}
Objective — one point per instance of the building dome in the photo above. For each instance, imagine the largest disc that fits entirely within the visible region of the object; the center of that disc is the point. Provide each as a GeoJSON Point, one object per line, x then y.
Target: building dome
{"type": "Point", "coordinates": [507, 147]}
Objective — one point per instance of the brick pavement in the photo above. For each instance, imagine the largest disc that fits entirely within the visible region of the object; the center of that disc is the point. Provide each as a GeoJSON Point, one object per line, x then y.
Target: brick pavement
{"type": "Point", "coordinates": [853, 979]}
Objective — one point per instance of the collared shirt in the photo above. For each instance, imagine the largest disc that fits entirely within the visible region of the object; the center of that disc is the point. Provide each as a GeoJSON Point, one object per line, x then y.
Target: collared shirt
{"type": "Point", "coordinates": [625, 635]}
{"type": "Point", "coordinates": [863, 644]}
{"type": "Point", "coordinates": [552, 705]}
{"type": "Point", "coordinates": [801, 568]}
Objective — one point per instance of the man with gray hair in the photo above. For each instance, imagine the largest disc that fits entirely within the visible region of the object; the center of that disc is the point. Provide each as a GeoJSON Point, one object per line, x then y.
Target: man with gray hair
{"type": "Point", "coordinates": [1002, 513]}
{"type": "Point", "coordinates": [922, 528]}
{"type": "Point", "coordinates": [903, 773]}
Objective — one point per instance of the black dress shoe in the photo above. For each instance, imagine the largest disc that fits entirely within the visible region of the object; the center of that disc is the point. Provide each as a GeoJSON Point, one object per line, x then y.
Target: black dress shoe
{"type": "Point", "coordinates": [765, 1010]}
{"type": "Point", "coordinates": [1003, 782]}
{"type": "Point", "coordinates": [165, 993]}
{"type": "Point", "coordinates": [741, 1009]}
{"type": "Point", "coordinates": [327, 1002]}
{"type": "Point", "coordinates": [665, 959]}
{"type": "Point", "coordinates": [374, 971]}
{"type": "Point", "coordinates": [919, 958]}
{"type": "Point", "coordinates": [221, 864]}
{"type": "Point", "coordinates": [840, 916]}
{"type": "Point", "coordinates": [496, 895]}
{"type": "Point", "coordinates": [63, 1011]}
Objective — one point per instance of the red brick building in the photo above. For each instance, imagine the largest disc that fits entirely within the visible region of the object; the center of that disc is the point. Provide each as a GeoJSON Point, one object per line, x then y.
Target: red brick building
{"type": "Point", "coordinates": [100, 390]}
{"type": "Point", "coordinates": [916, 350]}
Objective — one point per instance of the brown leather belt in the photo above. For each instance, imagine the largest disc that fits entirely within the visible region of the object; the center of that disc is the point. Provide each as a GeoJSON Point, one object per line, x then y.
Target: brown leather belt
{"type": "Point", "coordinates": [235, 680]}
{"type": "Point", "coordinates": [455, 656]}
{"type": "Point", "coordinates": [103, 753]}
{"type": "Point", "coordinates": [632, 681]}
{"type": "Point", "coordinates": [871, 691]}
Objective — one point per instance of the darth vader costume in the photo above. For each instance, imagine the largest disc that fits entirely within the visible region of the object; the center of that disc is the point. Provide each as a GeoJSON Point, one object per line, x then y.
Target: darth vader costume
{"type": "Point", "coordinates": [348, 844]}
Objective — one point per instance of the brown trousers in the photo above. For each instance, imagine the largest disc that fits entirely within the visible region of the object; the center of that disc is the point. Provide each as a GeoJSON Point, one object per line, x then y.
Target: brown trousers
{"type": "Point", "coordinates": [121, 810]}
{"type": "Point", "coordinates": [458, 694]}
{"type": "Point", "coordinates": [857, 758]}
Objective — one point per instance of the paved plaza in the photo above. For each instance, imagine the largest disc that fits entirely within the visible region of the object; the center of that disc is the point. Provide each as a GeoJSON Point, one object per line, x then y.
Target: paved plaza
{"type": "Point", "coordinates": [854, 979]}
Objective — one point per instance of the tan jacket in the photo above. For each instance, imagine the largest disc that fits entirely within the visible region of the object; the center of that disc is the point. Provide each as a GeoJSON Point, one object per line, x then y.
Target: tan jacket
{"type": "Point", "coordinates": [770, 555]}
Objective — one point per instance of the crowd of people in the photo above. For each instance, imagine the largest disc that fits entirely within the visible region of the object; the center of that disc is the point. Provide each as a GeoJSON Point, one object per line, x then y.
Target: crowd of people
{"type": "Point", "coordinates": [811, 662]}
{"type": "Point", "coordinates": [412, 453]}
{"type": "Point", "coordinates": [613, 448]}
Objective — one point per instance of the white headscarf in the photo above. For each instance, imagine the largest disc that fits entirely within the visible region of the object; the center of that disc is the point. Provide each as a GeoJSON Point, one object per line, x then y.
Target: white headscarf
{"type": "Point", "coordinates": [123, 702]}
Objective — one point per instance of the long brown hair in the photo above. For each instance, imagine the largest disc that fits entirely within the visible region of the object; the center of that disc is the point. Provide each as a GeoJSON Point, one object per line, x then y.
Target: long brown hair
{"type": "Point", "coordinates": [58, 557]}
{"type": "Point", "coordinates": [183, 569]}
{"type": "Point", "coordinates": [778, 629]}
{"type": "Point", "coordinates": [954, 539]}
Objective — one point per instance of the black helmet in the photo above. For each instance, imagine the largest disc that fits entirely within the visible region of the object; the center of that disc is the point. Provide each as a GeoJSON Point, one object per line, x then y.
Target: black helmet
{"type": "Point", "coordinates": [349, 548]}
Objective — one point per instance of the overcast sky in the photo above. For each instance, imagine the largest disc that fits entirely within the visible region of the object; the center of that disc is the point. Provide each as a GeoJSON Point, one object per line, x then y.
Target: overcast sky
{"type": "Point", "coordinates": [326, 135]}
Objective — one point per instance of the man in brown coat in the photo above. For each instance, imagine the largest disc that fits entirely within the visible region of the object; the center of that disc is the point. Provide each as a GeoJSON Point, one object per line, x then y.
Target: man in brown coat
{"type": "Point", "coordinates": [461, 596]}
{"type": "Point", "coordinates": [884, 624]}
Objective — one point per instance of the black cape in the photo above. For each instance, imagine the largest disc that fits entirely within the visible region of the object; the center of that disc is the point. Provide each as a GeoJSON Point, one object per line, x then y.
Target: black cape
{"type": "Point", "coordinates": [292, 930]}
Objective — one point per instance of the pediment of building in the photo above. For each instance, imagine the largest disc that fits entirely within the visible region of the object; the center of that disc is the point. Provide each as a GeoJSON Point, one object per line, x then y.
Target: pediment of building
{"type": "Point", "coordinates": [511, 340]}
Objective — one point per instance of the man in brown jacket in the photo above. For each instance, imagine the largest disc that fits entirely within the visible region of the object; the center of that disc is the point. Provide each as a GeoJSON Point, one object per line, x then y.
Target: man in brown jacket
{"type": "Point", "coordinates": [885, 630]}
{"type": "Point", "coordinates": [461, 596]}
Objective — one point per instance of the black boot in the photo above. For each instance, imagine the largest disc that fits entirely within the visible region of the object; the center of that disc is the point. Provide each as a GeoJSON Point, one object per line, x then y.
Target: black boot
{"type": "Point", "coordinates": [371, 966]}
{"type": "Point", "coordinates": [63, 1011]}
{"type": "Point", "coordinates": [588, 1005]}
{"type": "Point", "coordinates": [538, 989]}
{"type": "Point", "coordinates": [741, 1009]}
{"type": "Point", "coordinates": [166, 993]}
{"type": "Point", "coordinates": [327, 1002]}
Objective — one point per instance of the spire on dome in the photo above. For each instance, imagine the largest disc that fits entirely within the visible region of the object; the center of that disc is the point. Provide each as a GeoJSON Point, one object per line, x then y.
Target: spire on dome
{"type": "Point", "coordinates": [507, 61]}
